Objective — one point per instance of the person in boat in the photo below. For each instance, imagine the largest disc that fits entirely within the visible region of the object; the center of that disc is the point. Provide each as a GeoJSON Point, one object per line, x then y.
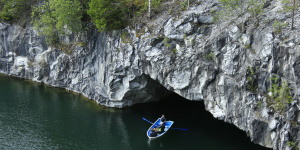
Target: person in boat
{"type": "Point", "coordinates": [153, 133]}
{"type": "Point", "coordinates": [163, 119]}
{"type": "Point", "coordinates": [161, 128]}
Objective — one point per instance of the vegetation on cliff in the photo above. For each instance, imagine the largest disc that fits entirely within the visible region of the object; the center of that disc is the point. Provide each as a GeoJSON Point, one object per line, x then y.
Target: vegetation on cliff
{"type": "Point", "coordinates": [60, 17]}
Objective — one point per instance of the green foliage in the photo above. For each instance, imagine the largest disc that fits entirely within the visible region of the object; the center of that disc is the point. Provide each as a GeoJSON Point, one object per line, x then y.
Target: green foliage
{"type": "Point", "coordinates": [284, 93]}
{"type": "Point", "coordinates": [65, 48]}
{"type": "Point", "coordinates": [293, 123]}
{"type": "Point", "coordinates": [13, 9]}
{"type": "Point", "coordinates": [275, 88]}
{"type": "Point", "coordinates": [193, 42]}
{"type": "Point", "coordinates": [68, 48]}
{"type": "Point", "coordinates": [292, 145]}
{"type": "Point", "coordinates": [44, 22]}
{"type": "Point", "coordinates": [291, 6]}
{"type": "Point", "coordinates": [251, 79]}
{"type": "Point", "coordinates": [117, 14]}
{"type": "Point", "coordinates": [81, 44]}
{"type": "Point", "coordinates": [170, 10]}
{"type": "Point", "coordinates": [8, 10]}
{"type": "Point", "coordinates": [125, 37]}
{"type": "Point", "coordinates": [280, 95]}
{"type": "Point", "coordinates": [255, 7]}
{"type": "Point", "coordinates": [174, 51]}
{"type": "Point", "coordinates": [211, 56]}
{"type": "Point", "coordinates": [183, 5]}
{"type": "Point", "coordinates": [107, 14]}
{"type": "Point", "coordinates": [259, 104]}
{"type": "Point", "coordinates": [154, 4]}
{"type": "Point", "coordinates": [68, 15]}
{"type": "Point", "coordinates": [288, 5]}
{"type": "Point", "coordinates": [247, 46]}
{"type": "Point", "coordinates": [55, 17]}
{"type": "Point", "coordinates": [231, 8]}
{"type": "Point", "coordinates": [278, 26]}
{"type": "Point", "coordinates": [166, 42]}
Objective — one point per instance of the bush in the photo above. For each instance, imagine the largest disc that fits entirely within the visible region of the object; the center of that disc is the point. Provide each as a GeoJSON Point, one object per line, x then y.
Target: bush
{"type": "Point", "coordinates": [211, 56]}
{"type": "Point", "coordinates": [174, 51]}
{"type": "Point", "coordinates": [183, 5]}
{"type": "Point", "coordinates": [58, 17]}
{"type": "Point", "coordinates": [278, 26]}
{"type": "Point", "coordinates": [10, 10]}
{"type": "Point", "coordinates": [280, 95]}
{"type": "Point", "coordinates": [292, 144]}
{"type": "Point", "coordinates": [125, 37]}
{"type": "Point", "coordinates": [251, 79]}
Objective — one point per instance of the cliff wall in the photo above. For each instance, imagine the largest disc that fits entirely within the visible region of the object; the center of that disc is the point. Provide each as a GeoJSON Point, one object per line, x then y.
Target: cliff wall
{"type": "Point", "coordinates": [187, 54]}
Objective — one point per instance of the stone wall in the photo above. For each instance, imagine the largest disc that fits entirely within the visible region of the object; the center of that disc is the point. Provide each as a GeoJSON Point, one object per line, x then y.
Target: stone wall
{"type": "Point", "coordinates": [187, 54]}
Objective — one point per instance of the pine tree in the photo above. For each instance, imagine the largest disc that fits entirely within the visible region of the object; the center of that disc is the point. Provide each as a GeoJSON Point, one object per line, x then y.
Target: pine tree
{"type": "Point", "coordinates": [107, 14]}
{"type": "Point", "coordinates": [238, 8]}
{"type": "Point", "coordinates": [56, 17]}
{"type": "Point", "coordinates": [291, 6]}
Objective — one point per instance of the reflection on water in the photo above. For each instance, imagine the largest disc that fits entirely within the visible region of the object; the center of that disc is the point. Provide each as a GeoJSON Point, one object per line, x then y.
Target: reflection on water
{"type": "Point", "coordinates": [36, 117]}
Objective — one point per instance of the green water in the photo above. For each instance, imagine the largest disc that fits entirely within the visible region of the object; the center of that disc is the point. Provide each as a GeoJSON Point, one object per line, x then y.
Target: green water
{"type": "Point", "coordinates": [33, 116]}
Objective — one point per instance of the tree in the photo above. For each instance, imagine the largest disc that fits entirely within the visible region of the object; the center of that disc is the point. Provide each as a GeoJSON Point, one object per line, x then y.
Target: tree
{"type": "Point", "coordinates": [55, 17]}
{"type": "Point", "coordinates": [133, 9]}
{"type": "Point", "coordinates": [149, 9]}
{"type": "Point", "coordinates": [231, 8]}
{"type": "Point", "coordinates": [107, 14]}
{"type": "Point", "coordinates": [68, 15]}
{"type": "Point", "coordinates": [290, 5]}
{"type": "Point", "coordinates": [151, 4]}
{"type": "Point", "coordinates": [13, 9]}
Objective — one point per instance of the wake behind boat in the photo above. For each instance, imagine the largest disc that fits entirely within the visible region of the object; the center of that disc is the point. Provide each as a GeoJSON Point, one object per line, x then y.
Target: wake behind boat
{"type": "Point", "coordinates": [168, 125]}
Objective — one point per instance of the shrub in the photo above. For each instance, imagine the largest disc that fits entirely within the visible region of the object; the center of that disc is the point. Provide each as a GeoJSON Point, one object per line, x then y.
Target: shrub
{"type": "Point", "coordinates": [170, 10]}
{"type": "Point", "coordinates": [211, 56]}
{"type": "Point", "coordinates": [259, 104]}
{"type": "Point", "coordinates": [292, 144]}
{"type": "Point", "coordinates": [278, 26]}
{"type": "Point", "coordinates": [247, 46]}
{"type": "Point", "coordinates": [251, 79]}
{"type": "Point", "coordinates": [280, 96]}
{"type": "Point", "coordinates": [125, 37]}
{"type": "Point", "coordinates": [166, 42]}
{"type": "Point", "coordinates": [174, 51]}
{"type": "Point", "coordinates": [183, 5]}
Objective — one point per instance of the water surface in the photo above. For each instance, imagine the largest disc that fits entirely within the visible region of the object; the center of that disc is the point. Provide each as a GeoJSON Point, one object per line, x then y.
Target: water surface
{"type": "Point", "coordinates": [33, 116]}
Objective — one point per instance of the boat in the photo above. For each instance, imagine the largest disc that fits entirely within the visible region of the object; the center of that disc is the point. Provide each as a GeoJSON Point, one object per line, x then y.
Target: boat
{"type": "Point", "coordinates": [168, 125]}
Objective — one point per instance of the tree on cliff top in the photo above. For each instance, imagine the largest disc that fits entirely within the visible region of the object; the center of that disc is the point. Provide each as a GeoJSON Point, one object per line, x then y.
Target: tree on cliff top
{"type": "Point", "coordinates": [57, 17]}
{"type": "Point", "coordinates": [291, 6]}
{"type": "Point", "coordinates": [117, 14]}
{"type": "Point", "coordinates": [14, 9]}
{"type": "Point", "coordinates": [107, 14]}
{"type": "Point", "coordinates": [238, 8]}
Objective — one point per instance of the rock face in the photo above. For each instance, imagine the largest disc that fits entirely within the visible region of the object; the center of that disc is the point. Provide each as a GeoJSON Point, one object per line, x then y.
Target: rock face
{"type": "Point", "coordinates": [185, 54]}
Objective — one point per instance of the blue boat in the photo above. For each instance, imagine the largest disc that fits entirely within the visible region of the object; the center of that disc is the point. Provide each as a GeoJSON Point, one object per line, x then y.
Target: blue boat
{"type": "Point", "coordinates": [168, 125]}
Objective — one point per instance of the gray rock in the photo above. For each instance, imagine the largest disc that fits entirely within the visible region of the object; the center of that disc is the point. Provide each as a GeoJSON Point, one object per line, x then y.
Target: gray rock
{"type": "Point", "coordinates": [211, 63]}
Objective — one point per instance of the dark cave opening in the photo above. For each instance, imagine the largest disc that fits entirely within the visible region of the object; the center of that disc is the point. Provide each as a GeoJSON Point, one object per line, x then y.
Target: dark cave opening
{"type": "Point", "coordinates": [202, 126]}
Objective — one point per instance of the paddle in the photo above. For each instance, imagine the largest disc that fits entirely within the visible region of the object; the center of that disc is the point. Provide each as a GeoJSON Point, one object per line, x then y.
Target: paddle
{"type": "Point", "coordinates": [180, 129]}
{"type": "Point", "coordinates": [170, 128]}
{"type": "Point", "coordinates": [147, 120]}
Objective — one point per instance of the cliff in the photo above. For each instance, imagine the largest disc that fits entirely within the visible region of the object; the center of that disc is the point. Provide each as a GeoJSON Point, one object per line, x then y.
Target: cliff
{"type": "Point", "coordinates": [227, 68]}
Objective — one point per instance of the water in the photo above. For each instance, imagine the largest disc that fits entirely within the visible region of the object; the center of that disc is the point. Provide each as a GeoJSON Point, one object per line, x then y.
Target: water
{"type": "Point", "coordinates": [33, 116]}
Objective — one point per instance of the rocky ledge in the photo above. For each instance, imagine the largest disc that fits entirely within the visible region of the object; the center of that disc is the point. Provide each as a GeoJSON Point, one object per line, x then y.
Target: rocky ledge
{"type": "Point", "coordinates": [227, 68]}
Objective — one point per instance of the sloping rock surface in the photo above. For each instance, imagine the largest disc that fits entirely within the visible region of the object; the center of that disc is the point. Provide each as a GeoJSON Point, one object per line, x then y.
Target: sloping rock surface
{"type": "Point", "coordinates": [186, 54]}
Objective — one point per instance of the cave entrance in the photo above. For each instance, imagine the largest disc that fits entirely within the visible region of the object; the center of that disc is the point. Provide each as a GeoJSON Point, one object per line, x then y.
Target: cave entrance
{"type": "Point", "coordinates": [204, 131]}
